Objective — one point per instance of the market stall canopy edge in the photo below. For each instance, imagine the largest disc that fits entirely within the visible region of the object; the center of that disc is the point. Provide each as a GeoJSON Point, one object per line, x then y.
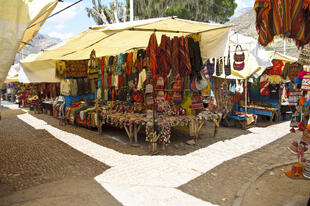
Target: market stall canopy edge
{"type": "Point", "coordinates": [117, 38]}
{"type": "Point", "coordinates": [15, 17]}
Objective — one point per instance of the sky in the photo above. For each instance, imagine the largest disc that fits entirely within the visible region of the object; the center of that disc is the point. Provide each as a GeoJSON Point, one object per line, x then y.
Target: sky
{"type": "Point", "coordinates": [75, 20]}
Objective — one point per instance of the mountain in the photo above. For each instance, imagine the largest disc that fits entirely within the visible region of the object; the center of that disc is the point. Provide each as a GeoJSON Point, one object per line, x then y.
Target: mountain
{"type": "Point", "coordinates": [245, 24]}
{"type": "Point", "coordinates": [38, 43]}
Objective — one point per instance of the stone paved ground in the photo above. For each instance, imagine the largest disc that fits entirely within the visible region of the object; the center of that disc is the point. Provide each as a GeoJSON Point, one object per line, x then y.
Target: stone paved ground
{"type": "Point", "coordinates": [221, 184]}
{"type": "Point", "coordinates": [218, 185]}
{"type": "Point", "coordinates": [30, 157]}
{"type": "Point", "coordinates": [116, 138]}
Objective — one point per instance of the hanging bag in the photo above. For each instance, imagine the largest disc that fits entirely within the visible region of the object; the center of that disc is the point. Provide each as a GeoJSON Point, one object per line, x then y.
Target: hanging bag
{"type": "Point", "coordinates": [210, 66]}
{"type": "Point", "coordinates": [227, 66]}
{"type": "Point", "coordinates": [239, 55]}
{"type": "Point", "coordinates": [219, 67]}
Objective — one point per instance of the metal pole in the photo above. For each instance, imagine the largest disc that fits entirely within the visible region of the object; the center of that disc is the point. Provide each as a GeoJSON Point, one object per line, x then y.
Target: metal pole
{"type": "Point", "coordinates": [246, 97]}
{"type": "Point", "coordinates": [131, 10]}
{"type": "Point", "coordinates": [284, 46]}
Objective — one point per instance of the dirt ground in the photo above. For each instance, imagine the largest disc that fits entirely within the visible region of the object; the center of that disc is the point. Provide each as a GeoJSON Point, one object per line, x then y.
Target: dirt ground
{"type": "Point", "coordinates": [275, 188]}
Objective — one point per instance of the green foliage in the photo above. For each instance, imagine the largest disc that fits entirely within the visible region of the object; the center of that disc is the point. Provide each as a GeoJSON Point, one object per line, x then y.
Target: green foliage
{"type": "Point", "coordinates": [198, 10]}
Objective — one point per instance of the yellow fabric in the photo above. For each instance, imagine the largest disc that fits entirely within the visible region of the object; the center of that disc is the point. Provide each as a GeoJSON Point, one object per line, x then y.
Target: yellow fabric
{"type": "Point", "coordinates": [275, 79]}
{"type": "Point", "coordinates": [116, 38]}
{"type": "Point", "coordinates": [15, 17]}
{"type": "Point", "coordinates": [186, 104]}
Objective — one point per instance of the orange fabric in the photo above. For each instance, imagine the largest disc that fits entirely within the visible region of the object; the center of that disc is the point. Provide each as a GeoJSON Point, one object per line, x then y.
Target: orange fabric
{"type": "Point", "coordinates": [129, 63]}
{"type": "Point", "coordinates": [302, 101]}
{"type": "Point", "coordinates": [308, 127]}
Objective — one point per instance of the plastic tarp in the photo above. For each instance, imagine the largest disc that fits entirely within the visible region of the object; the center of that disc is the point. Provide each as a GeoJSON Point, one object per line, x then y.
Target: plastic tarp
{"type": "Point", "coordinates": [15, 17]}
{"type": "Point", "coordinates": [121, 37]}
{"type": "Point", "coordinates": [256, 60]}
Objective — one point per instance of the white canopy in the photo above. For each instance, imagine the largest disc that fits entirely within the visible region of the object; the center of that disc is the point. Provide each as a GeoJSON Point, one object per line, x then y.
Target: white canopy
{"type": "Point", "coordinates": [256, 61]}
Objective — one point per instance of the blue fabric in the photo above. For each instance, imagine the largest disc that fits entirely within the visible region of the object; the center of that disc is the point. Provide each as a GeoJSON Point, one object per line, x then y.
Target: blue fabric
{"type": "Point", "coordinates": [70, 99]}
{"type": "Point", "coordinates": [237, 117]}
{"type": "Point", "coordinates": [119, 63]}
{"type": "Point", "coordinates": [307, 103]}
{"type": "Point", "coordinates": [297, 81]}
{"type": "Point", "coordinates": [258, 112]}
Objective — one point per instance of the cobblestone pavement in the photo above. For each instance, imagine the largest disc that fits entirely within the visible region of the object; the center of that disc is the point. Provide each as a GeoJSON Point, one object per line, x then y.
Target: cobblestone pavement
{"type": "Point", "coordinates": [158, 177]}
{"type": "Point", "coordinates": [30, 157]}
{"type": "Point", "coordinates": [221, 184]}
{"type": "Point", "coordinates": [207, 176]}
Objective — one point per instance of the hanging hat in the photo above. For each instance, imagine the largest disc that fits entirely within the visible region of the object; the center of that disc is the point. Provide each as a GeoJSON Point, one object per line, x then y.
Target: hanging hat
{"type": "Point", "coordinates": [160, 82]}
{"type": "Point", "coordinates": [149, 89]}
{"type": "Point", "coordinates": [304, 56]}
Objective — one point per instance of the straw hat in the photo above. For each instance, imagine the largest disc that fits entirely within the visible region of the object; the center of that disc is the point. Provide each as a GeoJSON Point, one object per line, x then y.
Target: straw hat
{"type": "Point", "coordinates": [304, 56]}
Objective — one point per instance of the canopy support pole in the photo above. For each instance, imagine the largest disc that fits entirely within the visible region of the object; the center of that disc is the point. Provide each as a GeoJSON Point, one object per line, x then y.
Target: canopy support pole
{"type": "Point", "coordinates": [246, 97]}
{"type": "Point", "coordinates": [131, 10]}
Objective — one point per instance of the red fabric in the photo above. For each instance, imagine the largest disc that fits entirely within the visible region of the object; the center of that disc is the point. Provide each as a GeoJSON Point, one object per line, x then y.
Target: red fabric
{"type": "Point", "coordinates": [120, 80]}
{"type": "Point", "coordinates": [163, 66]}
{"type": "Point", "coordinates": [185, 66]}
{"type": "Point", "coordinates": [263, 84]}
{"type": "Point", "coordinates": [302, 74]}
{"type": "Point", "coordinates": [109, 81]}
{"type": "Point", "coordinates": [152, 51]}
{"type": "Point", "coordinates": [102, 71]}
{"type": "Point", "coordinates": [276, 69]}
{"type": "Point", "coordinates": [174, 57]}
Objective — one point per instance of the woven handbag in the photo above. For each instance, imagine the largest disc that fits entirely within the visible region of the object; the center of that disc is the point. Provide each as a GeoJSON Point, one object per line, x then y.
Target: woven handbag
{"type": "Point", "coordinates": [227, 65]}
{"type": "Point", "coordinates": [219, 67]}
{"type": "Point", "coordinates": [238, 67]}
{"type": "Point", "coordinates": [211, 66]}
{"type": "Point", "coordinates": [239, 55]}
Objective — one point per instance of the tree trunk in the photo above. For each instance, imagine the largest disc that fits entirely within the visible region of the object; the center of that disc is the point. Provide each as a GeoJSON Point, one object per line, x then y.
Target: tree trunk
{"type": "Point", "coordinates": [115, 11]}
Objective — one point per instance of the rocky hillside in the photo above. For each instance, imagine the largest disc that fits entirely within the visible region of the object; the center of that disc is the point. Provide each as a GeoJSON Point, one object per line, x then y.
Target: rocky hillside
{"type": "Point", "coordinates": [39, 42]}
{"type": "Point", "coordinates": [245, 24]}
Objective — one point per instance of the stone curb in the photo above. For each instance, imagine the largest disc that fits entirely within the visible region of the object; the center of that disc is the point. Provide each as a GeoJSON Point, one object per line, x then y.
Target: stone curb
{"type": "Point", "coordinates": [246, 186]}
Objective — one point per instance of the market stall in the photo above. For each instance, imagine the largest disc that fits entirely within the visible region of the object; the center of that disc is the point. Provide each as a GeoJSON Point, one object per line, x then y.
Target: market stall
{"type": "Point", "coordinates": [144, 74]}
{"type": "Point", "coordinates": [248, 61]}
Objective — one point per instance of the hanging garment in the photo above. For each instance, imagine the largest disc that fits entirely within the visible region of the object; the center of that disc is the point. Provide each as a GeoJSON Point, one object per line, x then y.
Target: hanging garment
{"type": "Point", "coordinates": [74, 87]}
{"type": "Point", "coordinates": [60, 69]}
{"type": "Point", "coordinates": [152, 51]}
{"type": "Point", "coordinates": [119, 64]}
{"type": "Point", "coordinates": [264, 21]}
{"type": "Point", "coordinates": [276, 69]}
{"type": "Point", "coordinates": [129, 63]}
{"type": "Point", "coordinates": [184, 58]}
{"type": "Point", "coordinates": [65, 87]}
{"type": "Point", "coordinates": [141, 60]}
{"type": "Point", "coordinates": [102, 67]}
{"type": "Point", "coordinates": [93, 68]}
{"type": "Point", "coordinates": [264, 84]}
{"type": "Point", "coordinates": [163, 62]}
{"type": "Point", "coordinates": [195, 57]}
{"type": "Point", "coordinates": [175, 56]}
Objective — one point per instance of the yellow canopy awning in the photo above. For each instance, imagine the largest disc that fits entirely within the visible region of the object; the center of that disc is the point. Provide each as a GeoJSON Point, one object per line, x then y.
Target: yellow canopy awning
{"type": "Point", "coordinates": [117, 38]}
{"type": "Point", "coordinates": [15, 17]}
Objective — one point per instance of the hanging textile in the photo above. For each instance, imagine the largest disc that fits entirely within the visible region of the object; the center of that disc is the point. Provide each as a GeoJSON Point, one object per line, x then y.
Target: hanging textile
{"type": "Point", "coordinates": [152, 51]}
{"type": "Point", "coordinates": [264, 84]}
{"type": "Point", "coordinates": [175, 55]}
{"type": "Point", "coordinates": [129, 63]}
{"type": "Point", "coordinates": [141, 60]}
{"type": "Point", "coordinates": [163, 61]}
{"type": "Point", "coordinates": [185, 65]}
{"type": "Point", "coordinates": [289, 18]}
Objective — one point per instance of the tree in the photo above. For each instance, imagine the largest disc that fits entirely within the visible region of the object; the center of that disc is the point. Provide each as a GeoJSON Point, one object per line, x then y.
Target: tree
{"type": "Point", "coordinates": [198, 10]}
{"type": "Point", "coordinates": [103, 14]}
